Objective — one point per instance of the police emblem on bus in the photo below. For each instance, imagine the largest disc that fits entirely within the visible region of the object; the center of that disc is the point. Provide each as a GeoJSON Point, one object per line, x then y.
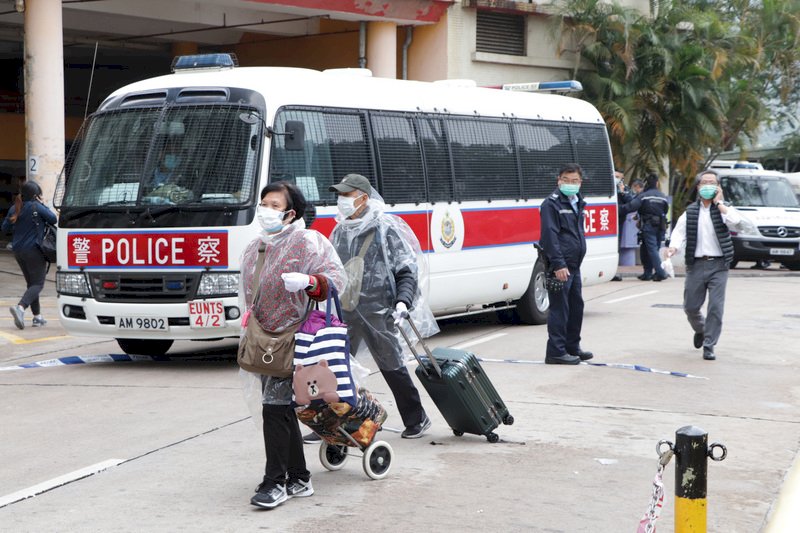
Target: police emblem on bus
{"type": "Point", "coordinates": [448, 237]}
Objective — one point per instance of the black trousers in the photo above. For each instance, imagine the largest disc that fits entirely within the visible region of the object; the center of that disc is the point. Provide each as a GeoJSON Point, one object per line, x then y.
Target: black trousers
{"type": "Point", "coordinates": [34, 268]}
{"type": "Point", "coordinates": [565, 319]}
{"type": "Point", "coordinates": [283, 443]}
{"type": "Point", "coordinates": [406, 395]}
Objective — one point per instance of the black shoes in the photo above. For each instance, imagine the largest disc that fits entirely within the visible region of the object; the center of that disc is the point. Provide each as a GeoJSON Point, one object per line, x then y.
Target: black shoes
{"type": "Point", "coordinates": [297, 488]}
{"type": "Point", "coordinates": [708, 355]}
{"type": "Point", "coordinates": [584, 356]}
{"type": "Point", "coordinates": [417, 430]}
{"type": "Point", "coordinates": [659, 278]}
{"type": "Point", "coordinates": [269, 495]}
{"type": "Point", "coordinates": [644, 277]}
{"type": "Point", "coordinates": [311, 438]}
{"type": "Point", "coordinates": [565, 359]}
{"type": "Point", "coordinates": [617, 278]}
{"type": "Point", "coordinates": [698, 340]}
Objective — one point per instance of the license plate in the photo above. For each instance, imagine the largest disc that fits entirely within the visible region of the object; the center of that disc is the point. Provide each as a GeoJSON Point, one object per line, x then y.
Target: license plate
{"type": "Point", "coordinates": [142, 323]}
{"type": "Point", "coordinates": [206, 314]}
{"type": "Point", "coordinates": [781, 251]}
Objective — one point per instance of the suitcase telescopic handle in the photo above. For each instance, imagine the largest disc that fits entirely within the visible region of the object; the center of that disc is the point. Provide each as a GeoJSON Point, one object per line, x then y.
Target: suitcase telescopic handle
{"type": "Point", "coordinates": [431, 358]}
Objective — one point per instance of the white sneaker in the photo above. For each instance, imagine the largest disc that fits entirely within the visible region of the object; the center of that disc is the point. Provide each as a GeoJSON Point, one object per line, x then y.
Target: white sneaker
{"type": "Point", "coordinates": [38, 322]}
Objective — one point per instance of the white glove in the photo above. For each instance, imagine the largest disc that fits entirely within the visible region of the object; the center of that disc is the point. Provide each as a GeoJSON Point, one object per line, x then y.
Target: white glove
{"type": "Point", "coordinates": [295, 281]}
{"type": "Point", "coordinates": [400, 311]}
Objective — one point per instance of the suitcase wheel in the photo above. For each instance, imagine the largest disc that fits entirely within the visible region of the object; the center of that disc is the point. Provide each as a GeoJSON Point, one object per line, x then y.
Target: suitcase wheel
{"type": "Point", "coordinates": [493, 437]}
{"type": "Point", "coordinates": [508, 420]}
{"type": "Point", "coordinates": [332, 456]}
{"type": "Point", "coordinates": [457, 433]}
{"type": "Point", "coordinates": [378, 459]}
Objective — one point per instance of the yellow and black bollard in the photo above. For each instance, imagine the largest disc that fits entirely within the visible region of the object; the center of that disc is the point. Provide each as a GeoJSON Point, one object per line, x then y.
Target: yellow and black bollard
{"type": "Point", "coordinates": [691, 469]}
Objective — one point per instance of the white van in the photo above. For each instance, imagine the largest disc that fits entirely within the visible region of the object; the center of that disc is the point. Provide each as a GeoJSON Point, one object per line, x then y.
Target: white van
{"type": "Point", "coordinates": [770, 211]}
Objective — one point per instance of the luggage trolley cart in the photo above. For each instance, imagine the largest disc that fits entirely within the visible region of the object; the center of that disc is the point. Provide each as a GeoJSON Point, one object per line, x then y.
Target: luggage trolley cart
{"type": "Point", "coordinates": [459, 387]}
{"type": "Point", "coordinates": [343, 427]}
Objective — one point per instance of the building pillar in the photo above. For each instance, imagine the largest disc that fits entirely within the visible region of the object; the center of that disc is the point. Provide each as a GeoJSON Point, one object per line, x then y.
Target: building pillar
{"type": "Point", "coordinates": [382, 49]}
{"type": "Point", "coordinates": [44, 94]}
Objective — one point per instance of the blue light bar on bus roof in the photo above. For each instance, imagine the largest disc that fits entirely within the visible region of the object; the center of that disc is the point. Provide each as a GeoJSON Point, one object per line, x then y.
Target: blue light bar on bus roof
{"type": "Point", "coordinates": [567, 86]}
{"type": "Point", "coordinates": [204, 61]}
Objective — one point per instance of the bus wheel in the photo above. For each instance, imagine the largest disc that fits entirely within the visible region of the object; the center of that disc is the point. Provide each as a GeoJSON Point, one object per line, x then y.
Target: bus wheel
{"type": "Point", "coordinates": [144, 346]}
{"type": "Point", "coordinates": [532, 307]}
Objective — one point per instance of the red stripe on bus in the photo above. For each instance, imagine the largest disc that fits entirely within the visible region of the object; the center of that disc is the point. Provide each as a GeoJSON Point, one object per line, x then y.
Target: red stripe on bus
{"type": "Point", "coordinates": [497, 227]}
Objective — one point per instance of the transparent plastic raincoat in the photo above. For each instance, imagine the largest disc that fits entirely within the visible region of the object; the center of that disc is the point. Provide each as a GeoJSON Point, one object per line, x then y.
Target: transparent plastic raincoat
{"type": "Point", "coordinates": [294, 249]}
{"type": "Point", "coordinates": [392, 252]}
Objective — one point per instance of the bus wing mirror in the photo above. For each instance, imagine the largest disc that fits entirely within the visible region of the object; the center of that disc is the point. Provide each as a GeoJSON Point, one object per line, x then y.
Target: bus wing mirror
{"type": "Point", "coordinates": [295, 135]}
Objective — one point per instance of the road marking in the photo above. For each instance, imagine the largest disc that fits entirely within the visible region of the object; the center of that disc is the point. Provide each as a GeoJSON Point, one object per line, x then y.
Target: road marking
{"type": "Point", "coordinates": [629, 297]}
{"type": "Point", "coordinates": [58, 481]}
{"type": "Point", "coordinates": [19, 340]}
{"type": "Point", "coordinates": [478, 341]}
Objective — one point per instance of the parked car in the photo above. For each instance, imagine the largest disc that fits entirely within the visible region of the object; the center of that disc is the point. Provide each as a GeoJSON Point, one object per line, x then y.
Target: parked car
{"type": "Point", "coordinates": [770, 228]}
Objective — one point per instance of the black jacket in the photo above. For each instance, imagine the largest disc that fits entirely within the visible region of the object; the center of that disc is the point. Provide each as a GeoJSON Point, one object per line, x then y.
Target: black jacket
{"type": "Point", "coordinates": [652, 206]}
{"type": "Point", "coordinates": [562, 236]}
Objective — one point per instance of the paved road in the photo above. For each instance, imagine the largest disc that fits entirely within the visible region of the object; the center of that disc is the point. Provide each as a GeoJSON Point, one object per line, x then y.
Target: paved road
{"type": "Point", "coordinates": [580, 456]}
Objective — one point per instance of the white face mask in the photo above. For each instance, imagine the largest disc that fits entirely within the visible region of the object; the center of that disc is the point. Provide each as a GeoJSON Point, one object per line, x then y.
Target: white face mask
{"type": "Point", "coordinates": [270, 219]}
{"type": "Point", "coordinates": [346, 206]}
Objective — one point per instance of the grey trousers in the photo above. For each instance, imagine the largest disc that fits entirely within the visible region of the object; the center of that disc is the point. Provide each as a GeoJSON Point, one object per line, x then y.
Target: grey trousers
{"type": "Point", "coordinates": [706, 276]}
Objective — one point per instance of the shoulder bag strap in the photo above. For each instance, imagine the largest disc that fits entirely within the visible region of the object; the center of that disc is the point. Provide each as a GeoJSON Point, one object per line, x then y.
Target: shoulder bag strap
{"type": "Point", "coordinates": [256, 286]}
{"type": "Point", "coordinates": [363, 251]}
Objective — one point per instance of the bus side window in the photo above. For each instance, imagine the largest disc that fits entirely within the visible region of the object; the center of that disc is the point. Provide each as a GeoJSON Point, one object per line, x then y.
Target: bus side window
{"type": "Point", "coordinates": [400, 161]}
{"type": "Point", "coordinates": [335, 145]}
{"type": "Point", "coordinates": [592, 154]}
{"type": "Point", "coordinates": [437, 159]}
{"type": "Point", "coordinates": [484, 159]}
{"type": "Point", "coordinates": [543, 148]}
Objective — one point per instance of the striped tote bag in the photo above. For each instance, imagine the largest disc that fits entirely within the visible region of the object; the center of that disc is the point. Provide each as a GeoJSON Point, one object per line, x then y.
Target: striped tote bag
{"type": "Point", "coordinates": [322, 371]}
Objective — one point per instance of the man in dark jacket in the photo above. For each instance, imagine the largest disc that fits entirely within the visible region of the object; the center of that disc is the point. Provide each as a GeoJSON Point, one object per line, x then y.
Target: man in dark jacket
{"type": "Point", "coordinates": [564, 245]}
{"type": "Point", "coordinates": [652, 206]}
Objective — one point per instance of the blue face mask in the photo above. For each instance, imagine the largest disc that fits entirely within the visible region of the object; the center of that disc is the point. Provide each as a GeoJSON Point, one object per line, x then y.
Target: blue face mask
{"type": "Point", "coordinates": [171, 161]}
{"type": "Point", "coordinates": [569, 189]}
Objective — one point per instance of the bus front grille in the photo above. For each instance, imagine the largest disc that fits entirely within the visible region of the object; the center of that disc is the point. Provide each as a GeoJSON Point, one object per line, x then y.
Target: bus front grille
{"type": "Point", "coordinates": [143, 288]}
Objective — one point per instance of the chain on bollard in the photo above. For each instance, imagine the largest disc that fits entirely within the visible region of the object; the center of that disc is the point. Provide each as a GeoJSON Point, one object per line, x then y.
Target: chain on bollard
{"type": "Point", "coordinates": [648, 522]}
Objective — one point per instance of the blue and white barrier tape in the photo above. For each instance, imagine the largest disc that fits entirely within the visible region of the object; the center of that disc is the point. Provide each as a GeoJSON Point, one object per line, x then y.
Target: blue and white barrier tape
{"type": "Point", "coordinates": [89, 359]}
{"type": "Point", "coordinates": [624, 366]}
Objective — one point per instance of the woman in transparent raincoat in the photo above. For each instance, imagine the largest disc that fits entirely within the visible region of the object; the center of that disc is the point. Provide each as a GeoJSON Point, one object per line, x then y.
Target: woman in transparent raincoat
{"type": "Point", "coordinates": [298, 265]}
{"type": "Point", "coordinates": [385, 271]}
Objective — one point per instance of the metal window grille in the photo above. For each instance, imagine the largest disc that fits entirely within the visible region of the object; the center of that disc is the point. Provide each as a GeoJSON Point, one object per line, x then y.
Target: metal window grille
{"type": "Point", "coordinates": [175, 155]}
{"type": "Point", "coordinates": [594, 156]}
{"type": "Point", "coordinates": [484, 159]}
{"type": "Point", "coordinates": [335, 145]}
{"type": "Point", "coordinates": [500, 33]}
{"type": "Point", "coordinates": [400, 160]}
{"type": "Point", "coordinates": [543, 148]}
{"type": "Point", "coordinates": [437, 159]}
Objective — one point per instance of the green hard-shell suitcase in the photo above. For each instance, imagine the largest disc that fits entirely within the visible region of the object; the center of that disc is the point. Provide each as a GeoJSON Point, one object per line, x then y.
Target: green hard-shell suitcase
{"type": "Point", "coordinates": [461, 390]}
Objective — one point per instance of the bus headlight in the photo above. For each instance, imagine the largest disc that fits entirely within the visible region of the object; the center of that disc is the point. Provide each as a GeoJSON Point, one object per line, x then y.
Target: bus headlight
{"type": "Point", "coordinates": [72, 283]}
{"type": "Point", "coordinates": [218, 284]}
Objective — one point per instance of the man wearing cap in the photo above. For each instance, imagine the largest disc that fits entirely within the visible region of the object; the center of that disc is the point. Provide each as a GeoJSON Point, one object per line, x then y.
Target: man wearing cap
{"type": "Point", "coordinates": [382, 259]}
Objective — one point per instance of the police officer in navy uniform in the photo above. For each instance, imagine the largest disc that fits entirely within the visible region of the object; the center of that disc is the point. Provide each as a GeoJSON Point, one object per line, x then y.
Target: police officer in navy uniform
{"type": "Point", "coordinates": [652, 206]}
{"type": "Point", "coordinates": [564, 245]}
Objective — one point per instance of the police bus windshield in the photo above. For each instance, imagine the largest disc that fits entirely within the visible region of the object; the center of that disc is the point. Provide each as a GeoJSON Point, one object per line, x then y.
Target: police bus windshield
{"type": "Point", "coordinates": [203, 155]}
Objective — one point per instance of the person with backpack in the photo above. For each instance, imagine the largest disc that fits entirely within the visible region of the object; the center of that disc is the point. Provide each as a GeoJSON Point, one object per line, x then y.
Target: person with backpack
{"type": "Point", "coordinates": [26, 220]}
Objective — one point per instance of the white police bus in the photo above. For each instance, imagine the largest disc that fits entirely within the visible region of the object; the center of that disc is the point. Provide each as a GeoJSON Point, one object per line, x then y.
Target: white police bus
{"type": "Point", "coordinates": [159, 191]}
